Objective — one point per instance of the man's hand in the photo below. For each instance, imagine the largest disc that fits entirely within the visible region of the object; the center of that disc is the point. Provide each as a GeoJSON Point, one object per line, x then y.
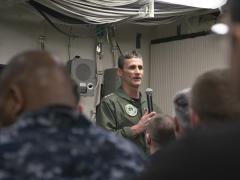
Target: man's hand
{"type": "Point", "coordinates": [142, 124]}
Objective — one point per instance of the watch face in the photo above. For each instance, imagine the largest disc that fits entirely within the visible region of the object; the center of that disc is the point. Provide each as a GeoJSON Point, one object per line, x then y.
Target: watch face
{"type": "Point", "coordinates": [131, 110]}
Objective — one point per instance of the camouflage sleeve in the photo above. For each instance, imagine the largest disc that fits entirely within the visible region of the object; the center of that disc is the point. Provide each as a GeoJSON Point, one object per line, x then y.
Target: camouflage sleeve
{"type": "Point", "coordinates": [107, 119]}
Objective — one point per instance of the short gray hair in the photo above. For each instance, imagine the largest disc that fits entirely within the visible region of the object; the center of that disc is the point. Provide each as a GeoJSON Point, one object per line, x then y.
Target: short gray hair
{"type": "Point", "coordinates": [182, 107]}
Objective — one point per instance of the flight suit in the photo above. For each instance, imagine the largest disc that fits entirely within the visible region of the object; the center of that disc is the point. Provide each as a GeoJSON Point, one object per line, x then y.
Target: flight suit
{"type": "Point", "coordinates": [117, 112]}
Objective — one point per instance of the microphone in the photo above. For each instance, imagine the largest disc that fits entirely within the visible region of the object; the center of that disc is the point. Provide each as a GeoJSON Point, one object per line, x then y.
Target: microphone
{"type": "Point", "coordinates": [149, 92]}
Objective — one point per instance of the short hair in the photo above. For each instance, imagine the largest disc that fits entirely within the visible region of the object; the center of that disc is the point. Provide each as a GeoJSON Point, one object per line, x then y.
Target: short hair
{"type": "Point", "coordinates": [128, 55]}
{"type": "Point", "coordinates": [211, 96]}
{"type": "Point", "coordinates": [234, 10]}
{"type": "Point", "coordinates": [182, 107]}
{"type": "Point", "coordinates": [162, 129]}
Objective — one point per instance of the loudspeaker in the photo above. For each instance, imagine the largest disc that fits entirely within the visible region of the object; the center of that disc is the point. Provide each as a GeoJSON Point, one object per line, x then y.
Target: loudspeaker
{"type": "Point", "coordinates": [111, 81]}
{"type": "Point", "coordinates": [83, 72]}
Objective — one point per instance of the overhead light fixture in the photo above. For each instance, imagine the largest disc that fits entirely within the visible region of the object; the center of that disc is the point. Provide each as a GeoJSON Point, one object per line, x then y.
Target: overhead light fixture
{"type": "Point", "coordinates": [207, 4]}
{"type": "Point", "coordinates": [220, 28]}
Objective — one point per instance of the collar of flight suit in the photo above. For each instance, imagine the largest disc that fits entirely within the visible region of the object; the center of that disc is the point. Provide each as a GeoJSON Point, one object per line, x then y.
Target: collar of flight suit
{"type": "Point", "coordinates": [120, 92]}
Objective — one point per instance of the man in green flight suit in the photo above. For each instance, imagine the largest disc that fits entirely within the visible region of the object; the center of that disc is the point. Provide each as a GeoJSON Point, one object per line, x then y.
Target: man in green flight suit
{"type": "Point", "coordinates": [125, 111]}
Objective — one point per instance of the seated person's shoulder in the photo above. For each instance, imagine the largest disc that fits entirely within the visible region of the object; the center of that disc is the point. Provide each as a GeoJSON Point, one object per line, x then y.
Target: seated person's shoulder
{"type": "Point", "coordinates": [101, 139]}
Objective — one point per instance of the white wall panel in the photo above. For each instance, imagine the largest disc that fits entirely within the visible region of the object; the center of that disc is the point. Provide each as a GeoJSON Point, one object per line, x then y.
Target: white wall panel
{"type": "Point", "coordinates": [175, 65]}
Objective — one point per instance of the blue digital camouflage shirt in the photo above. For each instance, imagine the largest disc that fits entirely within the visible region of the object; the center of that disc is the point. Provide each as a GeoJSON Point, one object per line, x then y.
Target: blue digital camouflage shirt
{"type": "Point", "coordinates": [57, 143]}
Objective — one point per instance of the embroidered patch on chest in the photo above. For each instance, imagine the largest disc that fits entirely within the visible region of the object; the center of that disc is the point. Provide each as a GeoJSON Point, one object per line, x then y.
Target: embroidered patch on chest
{"type": "Point", "coordinates": [131, 110]}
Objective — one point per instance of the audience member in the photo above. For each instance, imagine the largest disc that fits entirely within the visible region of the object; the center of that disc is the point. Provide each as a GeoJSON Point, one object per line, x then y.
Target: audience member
{"type": "Point", "coordinates": [45, 137]}
{"type": "Point", "coordinates": [209, 154]}
{"type": "Point", "coordinates": [160, 132]}
{"type": "Point", "coordinates": [212, 100]}
{"type": "Point", "coordinates": [182, 111]}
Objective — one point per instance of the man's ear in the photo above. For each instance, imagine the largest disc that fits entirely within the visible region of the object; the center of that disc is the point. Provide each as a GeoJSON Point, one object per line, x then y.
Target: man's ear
{"type": "Point", "coordinates": [194, 118]}
{"type": "Point", "coordinates": [16, 100]}
{"type": "Point", "coordinates": [177, 127]}
{"type": "Point", "coordinates": [120, 72]}
{"type": "Point", "coordinates": [148, 139]}
{"type": "Point", "coordinates": [79, 107]}
{"type": "Point", "coordinates": [236, 31]}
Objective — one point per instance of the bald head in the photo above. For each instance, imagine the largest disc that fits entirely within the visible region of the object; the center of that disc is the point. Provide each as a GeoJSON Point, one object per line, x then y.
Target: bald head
{"type": "Point", "coordinates": [32, 80]}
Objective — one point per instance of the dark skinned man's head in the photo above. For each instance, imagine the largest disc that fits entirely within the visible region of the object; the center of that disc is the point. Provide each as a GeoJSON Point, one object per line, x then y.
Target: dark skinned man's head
{"type": "Point", "coordinates": [32, 80]}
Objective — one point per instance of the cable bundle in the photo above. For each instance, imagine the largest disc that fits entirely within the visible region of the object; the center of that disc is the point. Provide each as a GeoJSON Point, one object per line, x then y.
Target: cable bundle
{"type": "Point", "coordinates": [116, 11]}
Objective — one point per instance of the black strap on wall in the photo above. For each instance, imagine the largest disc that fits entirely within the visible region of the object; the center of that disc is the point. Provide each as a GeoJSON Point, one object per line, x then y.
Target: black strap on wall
{"type": "Point", "coordinates": [180, 37]}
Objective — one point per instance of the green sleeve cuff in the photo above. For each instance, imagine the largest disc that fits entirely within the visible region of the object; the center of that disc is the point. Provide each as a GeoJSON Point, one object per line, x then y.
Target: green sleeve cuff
{"type": "Point", "coordinates": [128, 132]}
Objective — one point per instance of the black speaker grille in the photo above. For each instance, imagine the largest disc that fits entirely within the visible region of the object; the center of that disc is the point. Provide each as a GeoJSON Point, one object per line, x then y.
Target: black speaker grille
{"type": "Point", "coordinates": [83, 72]}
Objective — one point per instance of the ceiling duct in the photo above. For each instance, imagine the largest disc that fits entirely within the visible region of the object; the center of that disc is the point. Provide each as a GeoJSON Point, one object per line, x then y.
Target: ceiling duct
{"type": "Point", "coordinates": [147, 12]}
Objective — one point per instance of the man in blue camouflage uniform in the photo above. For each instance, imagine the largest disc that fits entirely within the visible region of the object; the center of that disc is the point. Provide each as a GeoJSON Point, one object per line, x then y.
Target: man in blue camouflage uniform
{"type": "Point", "coordinates": [43, 137]}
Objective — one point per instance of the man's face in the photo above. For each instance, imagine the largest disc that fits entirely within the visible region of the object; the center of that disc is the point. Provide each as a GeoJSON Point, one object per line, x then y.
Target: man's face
{"type": "Point", "coordinates": [235, 53]}
{"type": "Point", "coordinates": [132, 72]}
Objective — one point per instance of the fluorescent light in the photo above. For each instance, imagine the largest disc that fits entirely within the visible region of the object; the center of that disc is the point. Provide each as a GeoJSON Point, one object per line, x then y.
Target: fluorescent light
{"type": "Point", "coordinates": [208, 4]}
{"type": "Point", "coordinates": [220, 28]}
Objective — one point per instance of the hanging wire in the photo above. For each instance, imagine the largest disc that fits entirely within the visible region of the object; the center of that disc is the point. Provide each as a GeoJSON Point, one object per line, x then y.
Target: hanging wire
{"type": "Point", "coordinates": [69, 43]}
{"type": "Point", "coordinates": [115, 11]}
